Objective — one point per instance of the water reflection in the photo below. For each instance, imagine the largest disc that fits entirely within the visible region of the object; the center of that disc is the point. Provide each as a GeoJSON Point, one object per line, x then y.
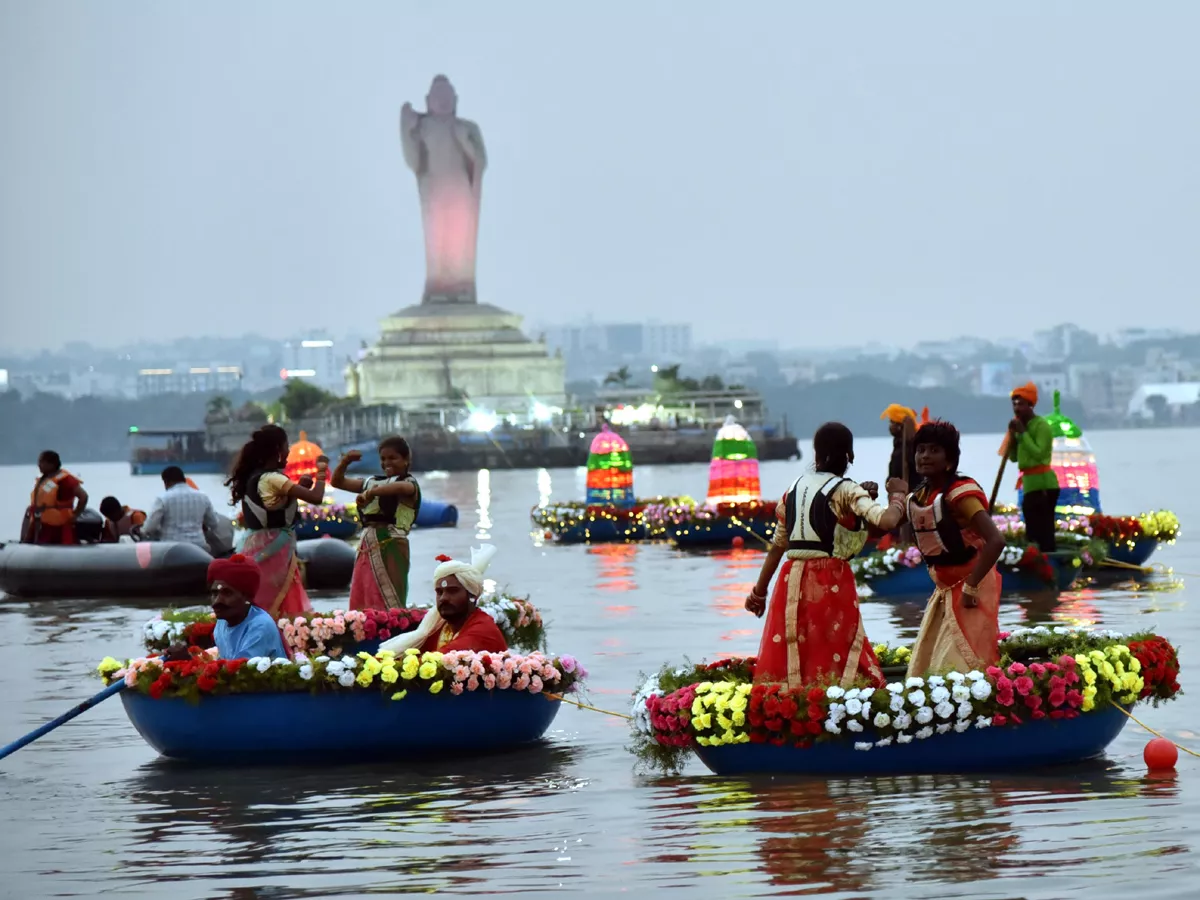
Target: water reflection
{"type": "Point", "coordinates": [614, 570]}
{"type": "Point", "coordinates": [483, 494]}
{"type": "Point", "coordinates": [545, 489]}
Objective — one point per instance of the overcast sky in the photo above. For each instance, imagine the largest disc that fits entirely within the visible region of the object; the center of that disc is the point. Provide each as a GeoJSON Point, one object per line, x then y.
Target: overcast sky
{"type": "Point", "coordinates": [784, 170]}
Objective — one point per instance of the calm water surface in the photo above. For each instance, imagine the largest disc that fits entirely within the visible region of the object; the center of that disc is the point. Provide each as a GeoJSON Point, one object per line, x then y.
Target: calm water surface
{"type": "Point", "coordinates": [90, 809]}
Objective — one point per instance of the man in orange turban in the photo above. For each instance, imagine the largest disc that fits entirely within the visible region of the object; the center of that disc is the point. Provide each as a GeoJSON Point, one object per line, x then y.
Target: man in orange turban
{"type": "Point", "coordinates": [1031, 446]}
{"type": "Point", "coordinates": [901, 419]}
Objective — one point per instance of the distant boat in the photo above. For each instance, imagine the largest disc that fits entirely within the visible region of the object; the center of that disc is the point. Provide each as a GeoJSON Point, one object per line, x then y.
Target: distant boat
{"type": "Point", "coordinates": [152, 450]}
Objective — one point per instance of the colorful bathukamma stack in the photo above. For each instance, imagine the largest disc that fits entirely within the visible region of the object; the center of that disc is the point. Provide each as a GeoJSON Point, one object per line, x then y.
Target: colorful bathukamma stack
{"type": "Point", "coordinates": [733, 472]}
{"type": "Point", "coordinates": [1075, 465]}
{"type": "Point", "coordinates": [609, 471]}
{"type": "Point", "coordinates": [302, 459]}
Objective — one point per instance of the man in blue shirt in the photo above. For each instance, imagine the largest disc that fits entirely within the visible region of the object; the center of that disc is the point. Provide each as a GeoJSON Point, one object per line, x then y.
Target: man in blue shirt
{"type": "Point", "coordinates": [243, 630]}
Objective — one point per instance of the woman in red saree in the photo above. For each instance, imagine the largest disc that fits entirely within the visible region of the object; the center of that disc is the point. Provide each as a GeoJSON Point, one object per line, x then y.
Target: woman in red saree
{"type": "Point", "coordinates": [813, 633]}
{"type": "Point", "coordinates": [960, 544]}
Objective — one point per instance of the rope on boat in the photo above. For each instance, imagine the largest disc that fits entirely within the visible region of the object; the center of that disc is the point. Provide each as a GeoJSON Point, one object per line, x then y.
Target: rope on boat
{"type": "Point", "coordinates": [740, 524]}
{"type": "Point", "coordinates": [1152, 731]}
{"type": "Point", "coordinates": [1156, 569]}
{"type": "Point", "coordinates": [607, 712]}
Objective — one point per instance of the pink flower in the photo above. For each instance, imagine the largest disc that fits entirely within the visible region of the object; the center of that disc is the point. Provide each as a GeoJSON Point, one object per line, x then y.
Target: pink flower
{"type": "Point", "coordinates": [1037, 669]}
{"type": "Point", "coordinates": [299, 620]}
{"type": "Point", "coordinates": [504, 680]}
{"type": "Point", "coordinates": [994, 672]}
{"type": "Point", "coordinates": [535, 685]}
{"type": "Point", "coordinates": [461, 673]}
{"type": "Point", "coordinates": [472, 682]}
{"type": "Point", "coordinates": [1016, 669]}
{"type": "Point", "coordinates": [522, 683]}
{"type": "Point", "coordinates": [476, 667]}
{"type": "Point", "coordinates": [1023, 685]}
{"type": "Point", "coordinates": [456, 688]}
{"type": "Point", "coordinates": [489, 682]}
{"type": "Point", "coordinates": [525, 666]}
{"type": "Point", "coordinates": [999, 720]}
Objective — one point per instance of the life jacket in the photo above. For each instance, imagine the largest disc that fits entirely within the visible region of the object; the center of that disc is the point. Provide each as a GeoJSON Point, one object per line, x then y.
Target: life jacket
{"type": "Point", "coordinates": [810, 519]}
{"type": "Point", "coordinates": [388, 510]}
{"type": "Point", "coordinates": [939, 538]}
{"type": "Point", "coordinates": [255, 514]}
{"type": "Point", "coordinates": [46, 504]}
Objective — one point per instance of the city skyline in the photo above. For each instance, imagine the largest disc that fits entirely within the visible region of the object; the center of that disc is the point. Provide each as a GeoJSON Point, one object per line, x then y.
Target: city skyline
{"type": "Point", "coordinates": [983, 173]}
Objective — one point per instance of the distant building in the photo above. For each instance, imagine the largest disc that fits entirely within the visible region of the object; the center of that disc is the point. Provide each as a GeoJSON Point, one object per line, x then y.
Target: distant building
{"type": "Point", "coordinates": [1127, 336]}
{"type": "Point", "coordinates": [314, 359]}
{"type": "Point", "coordinates": [1091, 385]}
{"type": "Point", "coordinates": [189, 380]}
{"type": "Point", "coordinates": [1164, 402]}
{"type": "Point", "coordinates": [633, 340]}
{"type": "Point", "coordinates": [1048, 381]}
{"type": "Point", "coordinates": [996, 379]}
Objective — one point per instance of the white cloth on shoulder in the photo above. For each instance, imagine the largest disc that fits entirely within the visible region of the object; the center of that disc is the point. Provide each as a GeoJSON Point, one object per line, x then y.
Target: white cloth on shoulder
{"type": "Point", "coordinates": [469, 575]}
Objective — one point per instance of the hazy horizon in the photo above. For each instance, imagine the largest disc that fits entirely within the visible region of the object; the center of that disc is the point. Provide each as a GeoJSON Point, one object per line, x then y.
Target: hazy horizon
{"type": "Point", "coordinates": [774, 173]}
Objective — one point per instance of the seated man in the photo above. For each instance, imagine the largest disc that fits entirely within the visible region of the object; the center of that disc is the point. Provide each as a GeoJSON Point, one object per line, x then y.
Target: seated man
{"type": "Point", "coordinates": [120, 521]}
{"type": "Point", "coordinates": [243, 630]}
{"type": "Point", "coordinates": [458, 623]}
{"type": "Point", "coordinates": [181, 513]}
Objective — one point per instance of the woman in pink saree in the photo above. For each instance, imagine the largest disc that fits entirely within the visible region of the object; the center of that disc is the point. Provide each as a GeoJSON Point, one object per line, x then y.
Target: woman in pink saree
{"type": "Point", "coordinates": [960, 544]}
{"type": "Point", "coordinates": [269, 501]}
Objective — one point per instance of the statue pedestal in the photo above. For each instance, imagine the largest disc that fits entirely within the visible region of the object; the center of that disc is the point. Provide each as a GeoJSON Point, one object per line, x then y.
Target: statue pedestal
{"type": "Point", "coordinates": [432, 354]}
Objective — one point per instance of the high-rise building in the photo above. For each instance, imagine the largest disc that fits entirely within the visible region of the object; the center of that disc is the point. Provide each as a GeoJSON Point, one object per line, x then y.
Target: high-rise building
{"type": "Point", "coordinates": [314, 359]}
{"type": "Point", "coordinates": [189, 380]}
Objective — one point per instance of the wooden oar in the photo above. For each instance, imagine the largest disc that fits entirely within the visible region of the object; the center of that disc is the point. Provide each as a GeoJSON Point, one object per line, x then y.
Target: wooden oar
{"type": "Point", "coordinates": [1000, 473]}
{"type": "Point", "coordinates": [83, 707]}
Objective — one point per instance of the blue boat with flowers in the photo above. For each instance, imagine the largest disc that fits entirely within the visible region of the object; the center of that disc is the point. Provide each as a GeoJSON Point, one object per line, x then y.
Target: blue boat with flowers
{"type": "Point", "coordinates": [1057, 695]}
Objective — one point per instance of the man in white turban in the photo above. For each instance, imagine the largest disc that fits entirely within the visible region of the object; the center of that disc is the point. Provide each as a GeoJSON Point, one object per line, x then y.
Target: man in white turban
{"type": "Point", "coordinates": [457, 623]}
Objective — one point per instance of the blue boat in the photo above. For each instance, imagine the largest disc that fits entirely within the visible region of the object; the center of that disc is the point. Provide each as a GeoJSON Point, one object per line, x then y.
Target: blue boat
{"type": "Point", "coordinates": [1135, 555]}
{"type": "Point", "coordinates": [344, 726]}
{"type": "Point", "coordinates": [1030, 745]}
{"type": "Point", "coordinates": [720, 532]}
{"type": "Point", "coordinates": [339, 529]}
{"type": "Point", "coordinates": [906, 584]}
{"type": "Point", "coordinates": [152, 450]}
{"type": "Point", "coordinates": [601, 531]}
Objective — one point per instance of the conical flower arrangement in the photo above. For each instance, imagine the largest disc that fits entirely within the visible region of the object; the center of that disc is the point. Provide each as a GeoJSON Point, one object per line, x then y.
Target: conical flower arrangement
{"type": "Point", "coordinates": [609, 471]}
{"type": "Point", "coordinates": [733, 472]}
{"type": "Point", "coordinates": [1075, 465]}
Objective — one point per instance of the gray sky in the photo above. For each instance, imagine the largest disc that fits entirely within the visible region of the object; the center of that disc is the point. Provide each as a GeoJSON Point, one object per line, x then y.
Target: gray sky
{"type": "Point", "coordinates": [772, 169]}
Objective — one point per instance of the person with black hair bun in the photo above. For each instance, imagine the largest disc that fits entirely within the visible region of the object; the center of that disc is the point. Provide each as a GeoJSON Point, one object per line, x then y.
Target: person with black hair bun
{"type": "Point", "coordinates": [269, 501]}
{"type": "Point", "coordinates": [813, 633]}
{"type": "Point", "coordinates": [960, 544]}
{"type": "Point", "coordinates": [388, 507]}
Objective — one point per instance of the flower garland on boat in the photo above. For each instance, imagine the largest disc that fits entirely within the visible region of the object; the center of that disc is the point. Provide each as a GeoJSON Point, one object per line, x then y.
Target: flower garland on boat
{"type": "Point", "coordinates": [1161, 525]}
{"type": "Point", "coordinates": [663, 518]}
{"type": "Point", "coordinates": [1015, 558]}
{"type": "Point", "coordinates": [392, 675]}
{"type": "Point", "coordinates": [678, 710]}
{"type": "Point", "coordinates": [570, 514]}
{"type": "Point", "coordinates": [340, 631]}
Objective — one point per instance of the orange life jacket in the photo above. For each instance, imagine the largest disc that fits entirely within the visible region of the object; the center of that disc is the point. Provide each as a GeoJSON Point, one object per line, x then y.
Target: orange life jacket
{"type": "Point", "coordinates": [45, 502]}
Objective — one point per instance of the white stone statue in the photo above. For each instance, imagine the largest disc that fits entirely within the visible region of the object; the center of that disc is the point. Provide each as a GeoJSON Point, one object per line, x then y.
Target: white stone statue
{"type": "Point", "coordinates": [448, 157]}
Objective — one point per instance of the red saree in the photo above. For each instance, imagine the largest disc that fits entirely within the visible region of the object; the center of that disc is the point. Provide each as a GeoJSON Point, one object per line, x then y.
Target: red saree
{"type": "Point", "coordinates": [813, 633]}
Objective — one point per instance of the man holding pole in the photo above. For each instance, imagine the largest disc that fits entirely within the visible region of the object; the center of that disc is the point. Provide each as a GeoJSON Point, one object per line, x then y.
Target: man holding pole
{"type": "Point", "coordinates": [1030, 444]}
{"type": "Point", "coordinates": [902, 425]}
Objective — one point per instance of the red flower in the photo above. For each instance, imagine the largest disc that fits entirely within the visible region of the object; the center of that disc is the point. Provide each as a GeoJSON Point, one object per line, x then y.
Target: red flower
{"type": "Point", "coordinates": [442, 557]}
{"type": "Point", "coordinates": [788, 708]}
{"type": "Point", "coordinates": [813, 727]}
{"type": "Point", "coordinates": [161, 683]}
{"type": "Point", "coordinates": [798, 728]}
{"type": "Point", "coordinates": [232, 665]}
{"type": "Point", "coordinates": [815, 695]}
{"type": "Point", "coordinates": [757, 737]}
{"type": "Point", "coordinates": [205, 683]}
{"type": "Point", "coordinates": [999, 720]}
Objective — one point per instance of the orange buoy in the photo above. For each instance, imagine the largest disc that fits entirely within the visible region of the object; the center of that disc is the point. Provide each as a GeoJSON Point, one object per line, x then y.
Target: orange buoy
{"type": "Point", "coordinates": [738, 542]}
{"type": "Point", "coordinates": [1160, 754]}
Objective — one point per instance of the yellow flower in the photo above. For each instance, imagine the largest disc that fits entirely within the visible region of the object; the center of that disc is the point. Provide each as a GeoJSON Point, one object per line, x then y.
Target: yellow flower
{"type": "Point", "coordinates": [431, 657]}
{"type": "Point", "coordinates": [364, 679]}
{"type": "Point", "coordinates": [703, 687]}
{"type": "Point", "coordinates": [1108, 670]}
{"type": "Point", "coordinates": [903, 653]}
{"type": "Point", "coordinates": [1097, 655]}
{"type": "Point", "coordinates": [1089, 677]}
{"type": "Point", "coordinates": [412, 651]}
{"type": "Point", "coordinates": [436, 687]}
{"type": "Point", "coordinates": [372, 665]}
{"type": "Point", "coordinates": [107, 666]}
{"type": "Point", "coordinates": [743, 690]}
{"type": "Point", "coordinates": [389, 674]}
{"type": "Point", "coordinates": [880, 649]}
{"type": "Point", "coordinates": [702, 741]}
{"type": "Point", "coordinates": [723, 721]}
{"type": "Point", "coordinates": [744, 737]}
{"type": "Point", "coordinates": [1135, 665]}
{"type": "Point", "coordinates": [697, 707]}
{"type": "Point", "coordinates": [386, 654]}
{"type": "Point", "coordinates": [739, 718]}
{"type": "Point", "coordinates": [427, 670]}
{"type": "Point", "coordinates": [409, 670]}
{"type": "Point", "coordinates": [399, 695]}
{"type": "Point", "coordinates": [702, 721]}
{"type": "Point", "coordinates": [739, 702]}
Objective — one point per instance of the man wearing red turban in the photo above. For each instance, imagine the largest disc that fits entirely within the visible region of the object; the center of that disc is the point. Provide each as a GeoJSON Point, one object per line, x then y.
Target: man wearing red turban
{"type": "Point", "coordinates": [243, 630]}
{"type": "Point", "coordinates": [1031, 446]}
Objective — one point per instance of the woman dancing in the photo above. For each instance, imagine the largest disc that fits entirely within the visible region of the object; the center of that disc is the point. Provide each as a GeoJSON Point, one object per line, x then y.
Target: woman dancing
{"type": "Point", "coordinates": [269, 501]}
{"type": "Point", "coordinates": [813, 632]}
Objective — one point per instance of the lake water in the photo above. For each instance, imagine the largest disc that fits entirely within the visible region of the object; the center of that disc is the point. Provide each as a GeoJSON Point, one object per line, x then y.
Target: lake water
{"type": "Point", "coordinates": [91, 810]}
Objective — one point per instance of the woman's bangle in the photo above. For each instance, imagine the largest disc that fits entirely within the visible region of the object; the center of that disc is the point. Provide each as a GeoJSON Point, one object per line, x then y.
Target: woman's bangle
{"type": "Point", "coordinates": [756, 595]}
{"type": "Point", "coordinates": [971, 590]}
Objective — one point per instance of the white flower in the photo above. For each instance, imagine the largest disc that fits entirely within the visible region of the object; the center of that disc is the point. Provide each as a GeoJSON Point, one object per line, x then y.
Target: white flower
{"type": "Point", "coordinates": [350, 663]}
{"type": "Point", "coordinates": [981, 690]}
{"type": "Point", "coordinates": [935, 681]}
{"type": "Point", "coordinates": [837, 711]}
{"type": "Point", "coordinates": [866, 710]}
{"type": "Point", "coordinates": [983, 722]}
{"type": "Point", "coordinates": [300, 659]}
{"type": "Point", "coordinates": [924, 733]}
{"type": "Point", "coordinates": [939, 695]}
{"type": "Point", "coordinates": [901, 721]}
{"type": "Point", "coordinates": [944, 710]}
{"type": "Point", "coordinates": [853, 705]}
{"type": "Point", "coordinates": [960, 693]}
{"type": "Point", "coordinates": [255, 660]}
{"type": "Point", "coordinates": [854, 725]}
{"type": "Point", "coordinates": [975, 675]}
{"type": "Point", "coordinates": [882, 720]}
{"type": "Point", "coordinates": [346, 679]}
{"type": "Point", "coordinates": [280, 661]}
{"type": "Point", "coordinates": [897, 703]}
{"type": "Point", "coordinates": [883, 742]}
{"type": "Point", "coordinates": [914, 682]}
{"type": "Point", "coordinates": [833, 692]}
{"type": "Point", "coordinates": [335, 668]}
{"type": "Point", "coordinates": [852, 694]}
{"type": "Point", "coordinates": [943, 728]}
{"type": "Point", "coordinates": [955, 677]}
{"type": "Point", "coordinates": [306, 672]}
{"type": "Point", "coordinates": [862, 745]}
{"type": "Point", "coordinates": [321, 659]}
{"type": "Point", "coordinates": [832, 727]}
{"type": "Point", "coordinates": [917, 698]}
{"type": "Point", "coordinates": [263, 664]}
{"type": "Point", "coordinates": [965, 710]}
{"type": "Point", "coordinates": [1061, 630]}
{"type": "Point", "coordinates": [924, 715]}
{"type": "Point", "coordinates": [962, 725]}
{"type": "Point", "coordinates": [904, 738]}
{"type": "Point", "coordinates": [896, 687]}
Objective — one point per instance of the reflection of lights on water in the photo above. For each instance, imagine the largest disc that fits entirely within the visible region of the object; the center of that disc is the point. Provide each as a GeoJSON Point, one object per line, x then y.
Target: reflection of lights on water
{"type": "Point", "coordinates": [544, 488]}
{"type": "Point", "coordinates": [735, 579]}
{"type": "Point", "coordinates": [616, 566]}
{"type": "Point", "coordinates": [620, 610]}
{"type": "Point", "coordinates": [483, 494]}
